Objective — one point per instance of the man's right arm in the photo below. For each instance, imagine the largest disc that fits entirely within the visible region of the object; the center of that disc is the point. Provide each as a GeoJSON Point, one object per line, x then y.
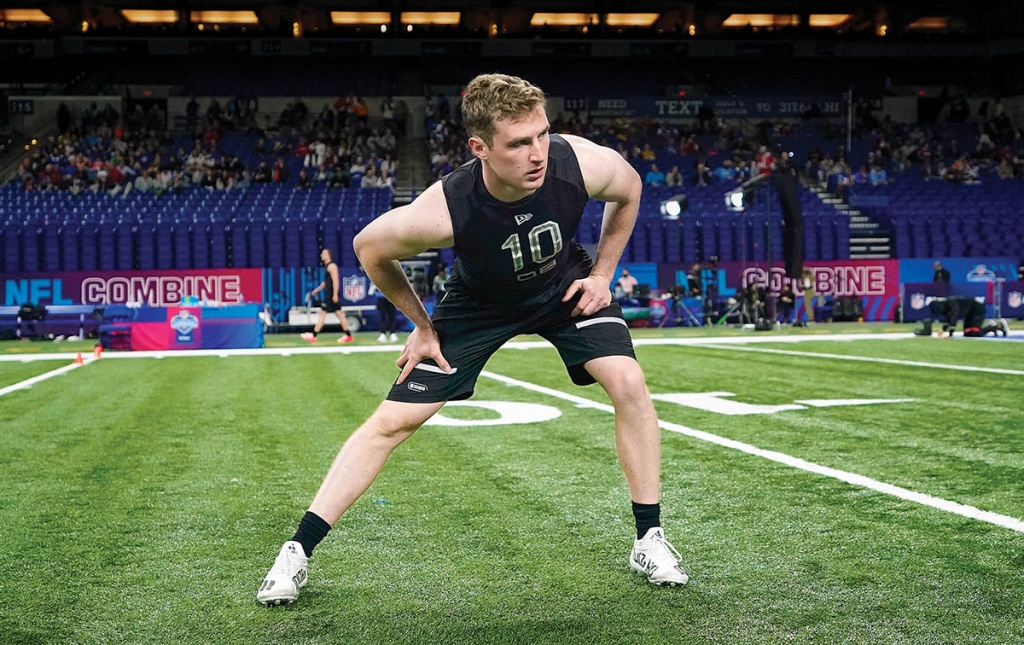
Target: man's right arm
{"type": "Point", "coordinates": [401, 233]}
{"type": "Point", "coordinates": [398, 234]}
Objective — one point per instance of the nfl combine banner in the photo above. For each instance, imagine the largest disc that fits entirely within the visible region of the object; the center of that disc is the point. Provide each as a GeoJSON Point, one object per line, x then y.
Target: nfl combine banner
{"type": "Point", "coordinates": [153, 288]}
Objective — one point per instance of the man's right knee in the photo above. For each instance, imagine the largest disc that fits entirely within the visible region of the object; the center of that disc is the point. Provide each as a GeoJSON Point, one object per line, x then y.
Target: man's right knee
{"type": "Point", "coordinates": [394, 418]}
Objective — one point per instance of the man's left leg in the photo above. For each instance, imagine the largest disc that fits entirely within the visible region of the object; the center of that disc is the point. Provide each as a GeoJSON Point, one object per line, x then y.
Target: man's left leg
{"type": "Point", "coordinates": [638, 443]}
{"type": "Point", "coordinates": [346, 335]}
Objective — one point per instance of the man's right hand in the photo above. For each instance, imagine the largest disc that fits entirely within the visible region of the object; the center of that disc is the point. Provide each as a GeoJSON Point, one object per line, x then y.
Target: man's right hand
{"type": "Point", "coordinates": [420, 345]}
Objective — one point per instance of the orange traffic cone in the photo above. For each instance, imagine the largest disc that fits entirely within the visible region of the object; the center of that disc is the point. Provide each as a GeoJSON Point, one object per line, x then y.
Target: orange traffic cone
{"type": "Point", "coordinates": [79, 360]}
{"type": "Point", "coordinates": [97, 352]}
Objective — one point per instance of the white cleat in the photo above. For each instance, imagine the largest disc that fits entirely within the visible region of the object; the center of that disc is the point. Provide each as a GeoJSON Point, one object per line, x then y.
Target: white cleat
{"type": "Point", "coordinates": [655, 558]}
{"type": "Point", "coordinates": [382, 338]}
{"type": "Point", "coordinates": [286, 577]}
{"type": "Point", "coordinates": [308, 336]}
{"type": "Point", "coordinates": [394, 337]}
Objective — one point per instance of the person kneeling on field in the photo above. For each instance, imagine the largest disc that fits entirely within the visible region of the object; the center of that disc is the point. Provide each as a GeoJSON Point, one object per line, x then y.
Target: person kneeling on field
{"type": "Point", "coordinates": [951, 310]}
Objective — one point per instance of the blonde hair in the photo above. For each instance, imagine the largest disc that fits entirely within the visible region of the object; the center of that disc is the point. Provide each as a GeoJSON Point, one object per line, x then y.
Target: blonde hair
{"type": "Point", "coordinates": [492, 97]}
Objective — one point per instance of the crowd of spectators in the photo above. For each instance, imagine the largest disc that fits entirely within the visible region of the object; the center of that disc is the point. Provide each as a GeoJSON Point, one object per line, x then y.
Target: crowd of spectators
{"type": "Point", "coordinates": [101, 149]}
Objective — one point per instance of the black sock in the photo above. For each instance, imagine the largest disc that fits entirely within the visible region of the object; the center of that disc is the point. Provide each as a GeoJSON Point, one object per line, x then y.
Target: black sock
{"type": "Point", "coordinates": [647, 516]}
{"type": "Point", "coordinates": [312, 529]}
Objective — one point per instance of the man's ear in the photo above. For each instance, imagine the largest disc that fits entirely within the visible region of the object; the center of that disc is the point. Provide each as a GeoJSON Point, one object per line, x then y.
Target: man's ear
{"type": "Point", "coordinates": [478, 147]}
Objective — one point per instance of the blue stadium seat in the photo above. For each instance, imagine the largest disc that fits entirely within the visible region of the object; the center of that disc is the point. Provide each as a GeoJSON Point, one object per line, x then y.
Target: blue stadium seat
{"type": "Point", "coordinates": [125, 242]}
{"type": "Point", "coordinates": [87, 257]}
{"type": "Point", "coordinates": [146, 245]}
{"type": "Point", "coordinates": [69, 247]}
{"type": "Point", "coordinates": [105, 246]}
{"type": "Point", "coordinates": [51, 247]}
{"type": "Point", "coordinates": [199, 235]}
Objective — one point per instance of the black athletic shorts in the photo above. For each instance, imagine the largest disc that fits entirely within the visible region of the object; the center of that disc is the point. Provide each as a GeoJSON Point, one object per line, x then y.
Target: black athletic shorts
{"type": "Point", "coordinates": [471, 332]}
{"type": "Point", "coordinates": [330, 307]}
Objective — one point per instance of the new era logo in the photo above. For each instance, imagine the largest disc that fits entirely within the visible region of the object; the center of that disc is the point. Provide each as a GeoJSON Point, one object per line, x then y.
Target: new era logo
{"type": "Point", "coordinates": [525, 217]}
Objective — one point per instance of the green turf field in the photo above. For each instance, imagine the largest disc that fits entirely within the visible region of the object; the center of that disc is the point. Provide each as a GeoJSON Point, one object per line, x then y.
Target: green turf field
{"type": "Point", "coordinates": [143, 499]}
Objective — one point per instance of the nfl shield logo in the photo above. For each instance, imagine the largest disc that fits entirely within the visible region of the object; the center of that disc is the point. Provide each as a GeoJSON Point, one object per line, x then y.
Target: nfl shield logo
{"type": "Point", "coordinates": [354, 288]}
{"type": "Point", "coordinates": [917, 301]}
{"type": "Point", "coordinates": [1015, 299]}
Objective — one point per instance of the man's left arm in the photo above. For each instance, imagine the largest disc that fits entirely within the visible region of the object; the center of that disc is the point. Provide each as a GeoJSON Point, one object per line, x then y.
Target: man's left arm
{"type": "Point", "coordinates": [612, 180]}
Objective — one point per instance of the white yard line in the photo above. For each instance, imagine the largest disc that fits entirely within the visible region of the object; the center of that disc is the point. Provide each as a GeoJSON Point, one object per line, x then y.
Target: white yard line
{"type": "Point", "coordinates": [866, 359]}
{"type": "Point", "coordinates": [24, 385]}
{"type": "Point", "coordinates": [962, 510]}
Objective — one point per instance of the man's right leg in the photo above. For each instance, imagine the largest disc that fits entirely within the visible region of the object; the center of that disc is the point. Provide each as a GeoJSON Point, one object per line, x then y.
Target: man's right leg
{"type": "Point", "coordinates": [311, 337]}
{"type": "Point", "coordinates": [358, 462]}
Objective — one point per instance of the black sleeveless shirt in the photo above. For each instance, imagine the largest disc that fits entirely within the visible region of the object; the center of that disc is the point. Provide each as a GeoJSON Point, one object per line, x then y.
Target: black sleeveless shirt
{"type": "Point", "coordinates": [518, 252]}
{"type": "Point", "coordinates": [329, 283]}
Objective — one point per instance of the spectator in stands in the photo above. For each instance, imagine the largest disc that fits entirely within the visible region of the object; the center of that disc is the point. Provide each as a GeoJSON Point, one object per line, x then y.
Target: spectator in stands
{"type": "Point", "coordinates": [369, 179]}
{"type": "Point", "coordinates": [360, 111]}
{"type": "Point", "coordinates": [764, 162]}
{"type": "Point", "coordinates": [673, 177]}
{"type": "Point", "coordinates": [725, 173]}
{"type": "Point", "coordinates": [144, 182]}
{"type": "Point", "coordinates": [702, 175]}
{"type": "Point", "coordinates": [877, 175]}
{"type": "Point", "coordinates": [386, 180]}
{"type": "Point", "coordinates": [446, 352]}
{"type": "Point", "coordinates": [358, 167]}
{"type": "Point", "coordinates": [341, 112]}
{"type": "Point", "coordinates": [305, 182]}
{"type": "Point", "coordinates": [261, 149]}
{"type": "Point", "coordinates": [388, 164]}
{"type": "Point", "coordinates": [340, 177]}
{"type": "Point", "coordinates": [279, 173]}
{"type": "Point", "coordinates": [654, 176]}
{"type": "Point", "coordinates": [262, 174]}
{"type": "Point", "coordinates": [1005, 169]}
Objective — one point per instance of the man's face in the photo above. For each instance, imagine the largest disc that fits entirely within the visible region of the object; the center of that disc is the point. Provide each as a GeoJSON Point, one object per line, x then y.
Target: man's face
{"type": "Point", "coordinates": [516, 161]}
{"type": "Point", "coordinates": [325, 257]}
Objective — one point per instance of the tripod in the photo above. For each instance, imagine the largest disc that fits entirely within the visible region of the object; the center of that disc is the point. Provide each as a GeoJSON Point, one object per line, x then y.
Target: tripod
{"type": "Point", "coordinates": [676, 308]}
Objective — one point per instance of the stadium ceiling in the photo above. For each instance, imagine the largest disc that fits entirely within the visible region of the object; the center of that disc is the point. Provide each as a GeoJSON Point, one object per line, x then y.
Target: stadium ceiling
{"type": "Point", "coordinates": [522, 18]}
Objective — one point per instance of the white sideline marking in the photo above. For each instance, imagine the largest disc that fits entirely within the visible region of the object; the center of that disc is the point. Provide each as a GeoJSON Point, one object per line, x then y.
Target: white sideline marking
{"type": "Point", "coordinates": [24, 385]}
{"type": "Point", "coordinates": [867, 359]}
{"type": "Point", "coordinates": [956, 508]}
